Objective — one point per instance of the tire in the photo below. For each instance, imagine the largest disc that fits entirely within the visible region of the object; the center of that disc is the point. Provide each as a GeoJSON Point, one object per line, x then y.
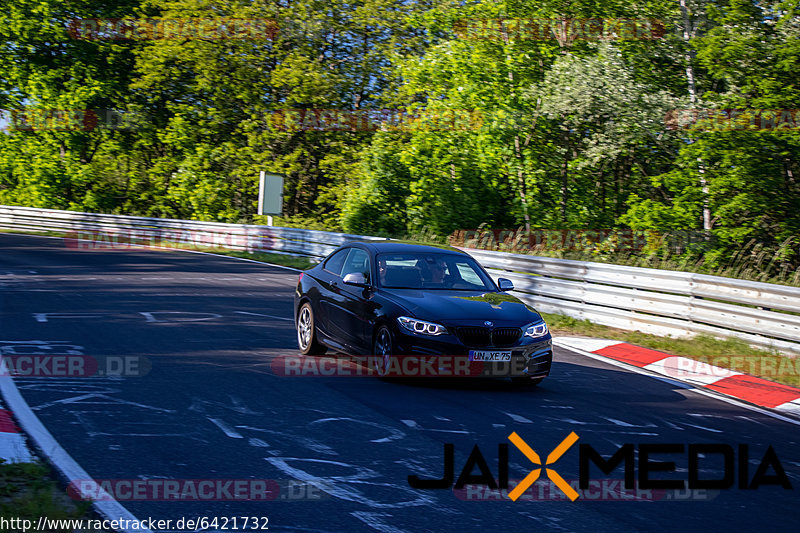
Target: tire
{"type": "Point", "coordinates": [383, 348]}
{"type": "Point", "coordinates": [307, 332]}
{"type": "Point", "coordinates": [525, 381]}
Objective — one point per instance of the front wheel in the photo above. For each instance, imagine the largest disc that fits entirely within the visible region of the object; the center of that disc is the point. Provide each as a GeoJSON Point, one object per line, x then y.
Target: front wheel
{"type": "Point", "coordinates": [307, 332]}
{"type": "Point", "coordinates": [382, 349]}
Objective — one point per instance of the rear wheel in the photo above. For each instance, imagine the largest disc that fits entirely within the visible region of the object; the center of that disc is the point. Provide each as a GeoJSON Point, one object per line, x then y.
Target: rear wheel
{"type": "Point", "coordinates": [307, 332]}
{"type": "Point", "coordinates": [382, 349]}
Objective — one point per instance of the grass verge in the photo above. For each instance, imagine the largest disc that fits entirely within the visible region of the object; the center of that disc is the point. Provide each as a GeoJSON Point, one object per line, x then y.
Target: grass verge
{"type": "Point", "coordinates": [298, 262]}
{"type": "Point", "coordinates": [730, 353]}
{"type": "Point", "coordinates": [30, 490]}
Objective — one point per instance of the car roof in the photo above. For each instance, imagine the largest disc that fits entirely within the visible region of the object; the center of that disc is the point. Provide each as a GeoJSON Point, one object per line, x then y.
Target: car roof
{"type": "Point", "coordinates": [378, 247]}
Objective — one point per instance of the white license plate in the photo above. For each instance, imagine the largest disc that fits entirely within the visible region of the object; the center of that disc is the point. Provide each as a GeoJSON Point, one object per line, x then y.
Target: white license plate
{"type": "Point", "coordinates": [490, 355]}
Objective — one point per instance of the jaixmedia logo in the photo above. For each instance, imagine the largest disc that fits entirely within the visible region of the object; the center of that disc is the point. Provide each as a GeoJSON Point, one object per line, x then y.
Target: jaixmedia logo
{"type": "Point", "coordinates": [645, 467]}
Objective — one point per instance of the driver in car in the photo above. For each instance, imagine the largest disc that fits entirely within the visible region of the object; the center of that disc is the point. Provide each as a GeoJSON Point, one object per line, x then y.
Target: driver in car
{"type": "Point", "coordinates": [433, 271]}
{"type": "Point", "coordinates": [382, 270]}
{"type": "Point", "coordinates": [437, 271]}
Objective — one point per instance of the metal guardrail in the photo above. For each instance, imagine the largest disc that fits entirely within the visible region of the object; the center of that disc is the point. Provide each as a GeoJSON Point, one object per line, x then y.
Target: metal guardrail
{"type": "Point", "coordinates": [654, 301]}
{"type": "Point", "coordinates": [92, 230]}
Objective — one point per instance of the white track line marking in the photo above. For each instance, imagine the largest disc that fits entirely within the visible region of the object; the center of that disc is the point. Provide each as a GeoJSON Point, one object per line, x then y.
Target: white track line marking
{"type": "Point", "coordinates": [618, 422]}
{"type": "Point", "coordinates": [589, 345]}
{"type": "Point", "coordinates": [50, 448]}
{"type": "Point", "coordinates": [240, 259]}
{"type": "Point", "coordinates": [152, 319]}
{"type": "Point", "coordinates": [703, 428]}
{"type": "Point", "coordinates": [229, 431]}
{"type": "Point", "coordinates": [268, 316]}
{"type": "Point", "coordinates": [44, 317]}
{"type": "Point", "coordinates": [518, 418]}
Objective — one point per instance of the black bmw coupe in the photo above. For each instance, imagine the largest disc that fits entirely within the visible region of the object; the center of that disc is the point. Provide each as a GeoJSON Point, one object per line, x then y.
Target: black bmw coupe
{"type": "Point", "coordinates": [387, 299]}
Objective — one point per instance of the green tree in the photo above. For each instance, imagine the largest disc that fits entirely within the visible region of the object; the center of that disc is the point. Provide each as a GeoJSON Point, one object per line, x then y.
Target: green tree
{"type": "Point", "coordinates": [47, 75]}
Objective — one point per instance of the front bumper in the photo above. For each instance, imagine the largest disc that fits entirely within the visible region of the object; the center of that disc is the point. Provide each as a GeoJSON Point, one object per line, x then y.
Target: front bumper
{"type": "Point", "coordinates": [530, 357]}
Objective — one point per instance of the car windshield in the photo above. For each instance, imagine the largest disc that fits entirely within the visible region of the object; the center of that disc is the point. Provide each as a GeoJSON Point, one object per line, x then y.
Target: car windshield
{"type": "Point", "coordinates": [435, 271]}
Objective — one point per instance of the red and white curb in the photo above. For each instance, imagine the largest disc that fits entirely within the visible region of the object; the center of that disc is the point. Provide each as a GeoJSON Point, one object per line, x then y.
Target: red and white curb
{"type": "Point", "coordinates": [13, 448]}
{"type": "Point", "coordinates": [757, 391]}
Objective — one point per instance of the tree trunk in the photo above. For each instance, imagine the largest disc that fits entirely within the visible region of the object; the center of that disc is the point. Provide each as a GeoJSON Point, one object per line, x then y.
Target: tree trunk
{"type": "Point", "coordinates": [523, 196]}
{"type": "Point", "coordinates": [688, 34]}
{"type": "Point", "coordinates": [564, 185]}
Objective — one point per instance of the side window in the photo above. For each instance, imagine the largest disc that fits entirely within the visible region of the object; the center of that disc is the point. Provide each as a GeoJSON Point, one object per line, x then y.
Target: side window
{"type": "Point", "coordinates": [357, 261]}
{"type": "Point", "coordinates": [335, 262]}
{"type": "Point", "coordinates": [468, 274]}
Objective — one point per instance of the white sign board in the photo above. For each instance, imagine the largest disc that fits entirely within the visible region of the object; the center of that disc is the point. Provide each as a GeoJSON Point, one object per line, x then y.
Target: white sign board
{"type": "Point", "coordinates": [270, 194]}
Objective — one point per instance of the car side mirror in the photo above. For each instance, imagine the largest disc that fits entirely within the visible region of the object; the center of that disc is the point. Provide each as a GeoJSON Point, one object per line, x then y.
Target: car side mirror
{"type": "Point", "coordinates": [505, 284]}
{"type": "Point", "coordinates": [355, 278]}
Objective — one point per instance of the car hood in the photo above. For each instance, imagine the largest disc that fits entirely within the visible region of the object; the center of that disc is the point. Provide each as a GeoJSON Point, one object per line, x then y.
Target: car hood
{"type": "Point", "coordinates": [465, 307]}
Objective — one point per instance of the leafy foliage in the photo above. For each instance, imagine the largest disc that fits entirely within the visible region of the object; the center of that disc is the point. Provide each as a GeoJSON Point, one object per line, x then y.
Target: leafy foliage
{"type": "Point", "coordinates": [561, 131]}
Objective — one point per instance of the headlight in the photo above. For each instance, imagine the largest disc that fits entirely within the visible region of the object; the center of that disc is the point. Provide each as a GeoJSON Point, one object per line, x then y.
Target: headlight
{"type": "Point", "coordinates": [538, 329]}
{"type": "Point", "coordinates": [421, 326]}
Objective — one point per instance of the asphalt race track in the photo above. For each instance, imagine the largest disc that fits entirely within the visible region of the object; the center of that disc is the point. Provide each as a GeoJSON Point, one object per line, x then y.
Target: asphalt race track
{"type": "Point", "coordinates": [211, 408]}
